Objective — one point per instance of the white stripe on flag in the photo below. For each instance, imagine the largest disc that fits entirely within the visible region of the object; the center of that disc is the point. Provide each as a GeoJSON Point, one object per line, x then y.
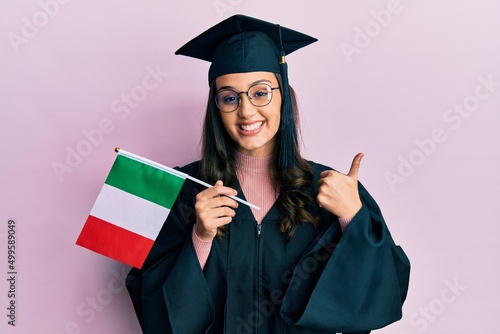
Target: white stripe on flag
{"type": "Point", "coordinates": [130, 212]}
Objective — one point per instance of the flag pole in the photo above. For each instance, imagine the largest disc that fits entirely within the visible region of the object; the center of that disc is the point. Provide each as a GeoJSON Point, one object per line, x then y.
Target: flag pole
{"type": "Point", "coordinates": [176, 172]}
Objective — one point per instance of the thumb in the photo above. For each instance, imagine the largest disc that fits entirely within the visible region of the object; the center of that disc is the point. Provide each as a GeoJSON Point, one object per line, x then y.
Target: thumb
{"type": "Point", "coordinates": [353, 172]}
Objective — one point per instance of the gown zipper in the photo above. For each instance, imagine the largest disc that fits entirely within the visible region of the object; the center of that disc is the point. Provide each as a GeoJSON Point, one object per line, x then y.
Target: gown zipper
{"type": "Point", "coordinates": [259, 273]}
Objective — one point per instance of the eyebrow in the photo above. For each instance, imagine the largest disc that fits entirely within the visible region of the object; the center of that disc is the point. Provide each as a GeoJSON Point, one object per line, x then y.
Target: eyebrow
{"type": "Point", "coordinates": [253, 83]}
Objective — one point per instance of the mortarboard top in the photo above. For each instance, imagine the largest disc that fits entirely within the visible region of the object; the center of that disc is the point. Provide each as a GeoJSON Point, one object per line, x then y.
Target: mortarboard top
{"type": "Point", "coordinates": [244, 44]}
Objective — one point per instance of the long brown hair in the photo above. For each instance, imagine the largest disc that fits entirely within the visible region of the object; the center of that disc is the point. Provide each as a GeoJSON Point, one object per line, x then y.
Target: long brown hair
{"type": "Point", "coordinates": [294, 184]}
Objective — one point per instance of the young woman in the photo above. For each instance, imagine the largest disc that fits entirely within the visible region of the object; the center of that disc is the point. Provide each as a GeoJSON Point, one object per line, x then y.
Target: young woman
{"type": "Point", "coordinates": [316, 258]}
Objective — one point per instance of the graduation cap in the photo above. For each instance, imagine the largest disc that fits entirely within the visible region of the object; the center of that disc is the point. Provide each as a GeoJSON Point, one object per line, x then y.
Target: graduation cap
{"type": "Point", "coordinates": [245, 44]}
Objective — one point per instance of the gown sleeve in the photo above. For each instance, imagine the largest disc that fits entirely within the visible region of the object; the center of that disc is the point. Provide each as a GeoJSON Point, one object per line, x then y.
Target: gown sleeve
{"type": "Point", "coordinates": [171, 285]}
{"type": "Point", "coordinates": [353, 284]}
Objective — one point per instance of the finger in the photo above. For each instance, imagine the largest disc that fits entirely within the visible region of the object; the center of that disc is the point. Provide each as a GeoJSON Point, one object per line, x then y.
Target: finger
{"type": "Point", "coordinates": [217, 190]}
{"type": "Point", "coordinates": [221, 221]}
{"type": "Point", "coordinates": [223, 211]}
{"type": "Point", "coordinates": [326, 173]}
{"type": "Point", "coordinates": [354, 171]}
{"type": "Point", "coordinates": [206, 208]}
{"type": "Point", "coordinates": [209, 218]}
{"type": "Point", "coordinates": [324, 176]}
{"type": "Point", "coordinates": [221, 190]}
{"type": "Point", "coordinates": [214, 213]}
{"type": "Point", "coordinates": [224, 201]}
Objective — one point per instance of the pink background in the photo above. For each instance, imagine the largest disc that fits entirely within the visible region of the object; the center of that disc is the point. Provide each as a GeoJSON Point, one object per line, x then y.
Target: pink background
{"type": "Point", "coordinates": [387, 78]}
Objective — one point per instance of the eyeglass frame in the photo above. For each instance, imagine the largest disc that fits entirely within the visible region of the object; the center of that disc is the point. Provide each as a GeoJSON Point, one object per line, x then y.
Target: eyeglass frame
{"type": "Point", "coordinates": [246, 93]}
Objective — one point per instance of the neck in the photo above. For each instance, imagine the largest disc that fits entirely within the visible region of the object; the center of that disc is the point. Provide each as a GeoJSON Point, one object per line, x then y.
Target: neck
{"type": "Point", "coordinates": [254, 175]}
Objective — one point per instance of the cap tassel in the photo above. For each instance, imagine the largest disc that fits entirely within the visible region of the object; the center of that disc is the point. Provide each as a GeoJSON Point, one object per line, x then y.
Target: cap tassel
{"type": "Point", "coordinates": [288, 141]}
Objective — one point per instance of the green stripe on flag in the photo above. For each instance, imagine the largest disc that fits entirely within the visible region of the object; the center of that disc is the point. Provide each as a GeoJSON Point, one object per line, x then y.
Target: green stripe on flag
{"type": "Point", "coordinates": [145, 181]}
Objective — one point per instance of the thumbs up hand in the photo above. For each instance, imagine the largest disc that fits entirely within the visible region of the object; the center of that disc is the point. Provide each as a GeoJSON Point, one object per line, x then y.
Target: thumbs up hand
{"type": "Point", "coordinates": [338, 193]}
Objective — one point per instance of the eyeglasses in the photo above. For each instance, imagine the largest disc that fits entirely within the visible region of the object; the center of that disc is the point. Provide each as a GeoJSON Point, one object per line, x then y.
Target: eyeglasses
{"type": "Point", "coordinates": [260, 95]}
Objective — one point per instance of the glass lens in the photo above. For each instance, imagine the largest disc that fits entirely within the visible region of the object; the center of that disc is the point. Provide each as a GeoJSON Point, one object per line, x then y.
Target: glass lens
{"type": "Point", "coordinates": [260, 95]}
{"type": "Point", "coordinates": [227, 100]}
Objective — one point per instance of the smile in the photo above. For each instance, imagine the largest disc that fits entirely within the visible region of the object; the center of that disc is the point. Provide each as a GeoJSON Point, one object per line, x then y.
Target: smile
{"type": "Point", "coordinates": [251, 127]}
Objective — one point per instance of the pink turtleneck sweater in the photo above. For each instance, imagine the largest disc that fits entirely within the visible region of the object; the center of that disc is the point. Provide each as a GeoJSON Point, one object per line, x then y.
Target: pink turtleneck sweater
{"type": "Point", "coordinates": [255, 181]}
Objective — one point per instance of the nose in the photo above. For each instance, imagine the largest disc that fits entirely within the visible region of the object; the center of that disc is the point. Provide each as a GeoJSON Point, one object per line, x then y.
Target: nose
{"type": "Point", "coordinates": [246, 108]}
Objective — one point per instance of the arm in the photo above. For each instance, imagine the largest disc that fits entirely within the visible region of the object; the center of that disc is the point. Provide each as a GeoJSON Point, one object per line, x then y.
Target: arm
{"type": "Point", "coordinates": [171, 280]}
{"type": "Point", "coordinates": [344, 222]}
{"type": "Point", "coordinates": [362, 284]}
{"type": "Point", "coordinates": [202, 248]}
{"type": "Point", "coordinates": [172, 283]}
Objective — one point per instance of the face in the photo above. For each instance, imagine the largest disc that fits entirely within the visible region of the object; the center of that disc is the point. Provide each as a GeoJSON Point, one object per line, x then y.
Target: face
{"type": "Point", "coordinates": [252, 128]}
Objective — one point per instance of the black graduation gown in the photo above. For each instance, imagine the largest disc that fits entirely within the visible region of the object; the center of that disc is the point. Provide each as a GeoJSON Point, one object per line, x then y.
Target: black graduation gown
{"type": "Point", "coordinates": [321, 281]}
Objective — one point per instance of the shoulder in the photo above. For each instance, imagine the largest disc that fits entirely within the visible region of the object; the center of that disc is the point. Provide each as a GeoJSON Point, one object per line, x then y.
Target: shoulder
{"type": "Point", "coordinates": [190, 188]}
{"type": "Point", "coordinates": [192, 169]}
{"type": "Point", "coordinates": [317, 168]}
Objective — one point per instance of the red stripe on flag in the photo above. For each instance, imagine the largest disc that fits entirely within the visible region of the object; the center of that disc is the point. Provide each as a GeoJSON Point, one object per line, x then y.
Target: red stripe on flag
{"type": "Point", "coordinates": [114, 242]}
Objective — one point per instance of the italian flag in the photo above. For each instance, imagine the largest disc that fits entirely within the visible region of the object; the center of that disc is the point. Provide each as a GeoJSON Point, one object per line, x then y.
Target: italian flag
{"type": "Point", "coordinates": [130, 209]}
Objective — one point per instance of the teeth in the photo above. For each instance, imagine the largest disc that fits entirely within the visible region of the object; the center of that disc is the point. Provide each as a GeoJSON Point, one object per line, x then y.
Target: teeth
{"type": "Point", "coordinates": [251, 127]}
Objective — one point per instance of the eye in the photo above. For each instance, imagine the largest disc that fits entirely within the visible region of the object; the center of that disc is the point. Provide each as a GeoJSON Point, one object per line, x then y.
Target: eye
{"type": "Point", "coordinates": [260, 92]}
{"type": "Point", "coordinates": [227, 97]}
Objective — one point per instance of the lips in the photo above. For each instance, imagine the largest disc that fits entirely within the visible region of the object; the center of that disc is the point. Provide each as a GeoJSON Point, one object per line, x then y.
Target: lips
{"type": "Point", "coordinates": [251, 127]}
